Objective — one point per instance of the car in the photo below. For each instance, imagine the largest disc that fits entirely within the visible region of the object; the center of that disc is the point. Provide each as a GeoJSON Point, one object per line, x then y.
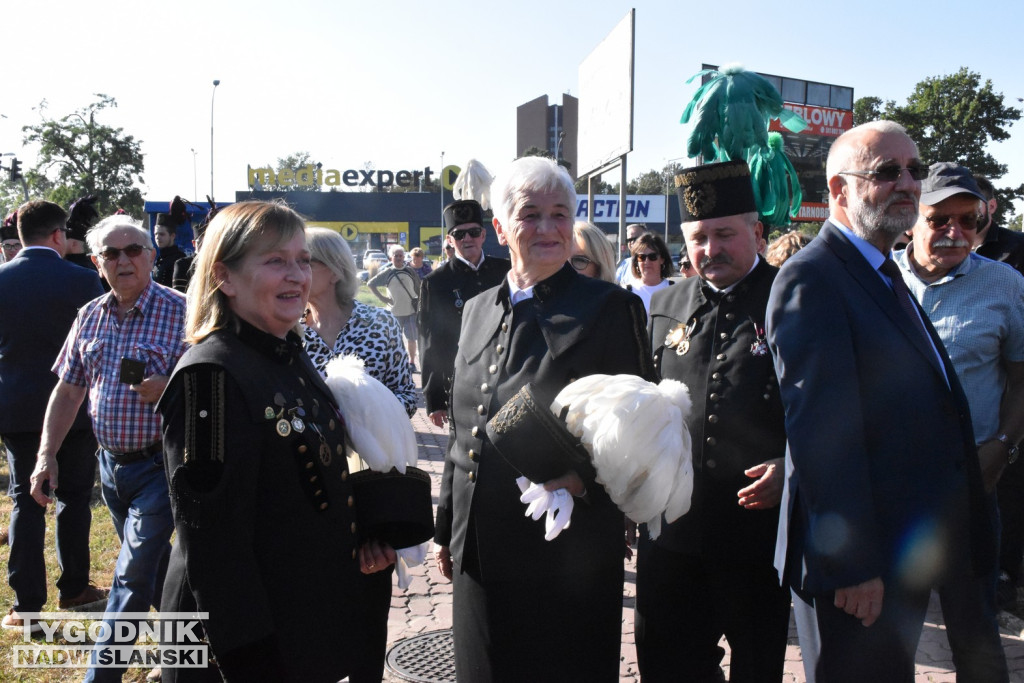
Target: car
{"type": "Point", "coordinates": [372, 256]}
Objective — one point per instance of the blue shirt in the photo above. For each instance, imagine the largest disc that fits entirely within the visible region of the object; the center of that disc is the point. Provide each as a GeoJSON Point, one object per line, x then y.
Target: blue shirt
{"type": "Point", "coordinates": [978, 311]}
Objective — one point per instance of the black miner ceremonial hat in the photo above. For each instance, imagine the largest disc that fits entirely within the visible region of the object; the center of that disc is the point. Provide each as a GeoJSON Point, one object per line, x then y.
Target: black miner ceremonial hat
{"type": "Point", "coordinates": [461, 212]}
{"type": "Point", "coordinates": [714, 191]}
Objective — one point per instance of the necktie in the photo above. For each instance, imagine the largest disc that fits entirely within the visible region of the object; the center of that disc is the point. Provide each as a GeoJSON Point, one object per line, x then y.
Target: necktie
{"type": "Point", "coordinates": [903, 297]}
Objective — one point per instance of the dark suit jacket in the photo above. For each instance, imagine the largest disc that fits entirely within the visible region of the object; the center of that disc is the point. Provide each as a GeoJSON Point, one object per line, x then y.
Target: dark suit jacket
{"type": "Point", "coordinates": [574, 326]}
{"type": "Point", "coordinates": [41, 294]}
{"type": "Point", "coordinates": [881, 459]}
{"type": "Point", "coordinates": [443, 295]}
{"type": "Point", "coordinates": [737, 418]}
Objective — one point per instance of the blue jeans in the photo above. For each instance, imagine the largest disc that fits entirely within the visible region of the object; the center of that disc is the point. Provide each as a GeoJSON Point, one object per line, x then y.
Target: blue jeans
{"type": "Point", "coordinates": [140, 508]}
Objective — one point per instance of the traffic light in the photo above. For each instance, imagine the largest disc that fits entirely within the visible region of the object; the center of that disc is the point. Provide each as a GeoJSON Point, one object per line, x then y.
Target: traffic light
{"type": "Point", "coordinates": [15, 171]}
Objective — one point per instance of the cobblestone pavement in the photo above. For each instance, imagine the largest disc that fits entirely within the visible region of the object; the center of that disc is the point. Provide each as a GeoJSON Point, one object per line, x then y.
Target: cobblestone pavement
{"type": "Point", "coordinates": [427, 604]}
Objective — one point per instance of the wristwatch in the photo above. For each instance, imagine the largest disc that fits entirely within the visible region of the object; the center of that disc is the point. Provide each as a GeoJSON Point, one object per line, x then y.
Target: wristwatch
{"type": "Point", "coordinates": [1012, 450]}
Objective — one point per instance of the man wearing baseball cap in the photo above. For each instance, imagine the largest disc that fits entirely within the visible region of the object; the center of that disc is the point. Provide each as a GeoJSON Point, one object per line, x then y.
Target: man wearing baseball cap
{"type": "Point", "coordinates": [977, 307]}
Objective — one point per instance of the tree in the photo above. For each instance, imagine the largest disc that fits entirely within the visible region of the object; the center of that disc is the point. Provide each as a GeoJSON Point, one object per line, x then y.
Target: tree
{"type": "Point", "coordinates": [954, 118]}
{"type": "Point", "coordinates": [1015, 222]}
{"type": "Point", "coordinates": [80, 156]}
{"type": "Point", "coordinates": [866, 109]}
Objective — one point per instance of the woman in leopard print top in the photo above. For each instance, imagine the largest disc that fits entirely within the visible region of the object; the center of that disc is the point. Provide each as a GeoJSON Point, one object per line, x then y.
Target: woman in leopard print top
{"type": "Point", "coordinates": [337, 325]}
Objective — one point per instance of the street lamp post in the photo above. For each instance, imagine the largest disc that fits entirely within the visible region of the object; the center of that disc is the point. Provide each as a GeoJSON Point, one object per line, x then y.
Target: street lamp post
{"type": "Point", "coordinates": [441, 183]}
{"type": "Point", "coordinates": [212, 96]}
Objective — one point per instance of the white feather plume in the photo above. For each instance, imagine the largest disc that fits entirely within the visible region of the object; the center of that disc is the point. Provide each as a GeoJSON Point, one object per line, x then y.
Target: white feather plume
{"type": "Point", "coordinates": [474, 182]}
{"type": "Point", "coordinates": [377, 423]}
{"type": "Point", "coordinates": [635, 432]}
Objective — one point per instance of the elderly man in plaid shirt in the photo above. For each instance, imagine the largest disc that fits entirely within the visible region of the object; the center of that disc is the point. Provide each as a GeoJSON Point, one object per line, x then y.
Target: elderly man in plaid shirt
{"type": "Point", "coordinates": [120, 351]}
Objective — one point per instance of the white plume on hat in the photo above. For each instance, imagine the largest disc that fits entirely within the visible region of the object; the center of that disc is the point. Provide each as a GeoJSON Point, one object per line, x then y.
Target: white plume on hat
{"type": "Point", "coordinates": [377, 423]}
{"type": "Point", "coordinates": [474, 182]}
{"type": "Point", "coordinates": [635, 432]}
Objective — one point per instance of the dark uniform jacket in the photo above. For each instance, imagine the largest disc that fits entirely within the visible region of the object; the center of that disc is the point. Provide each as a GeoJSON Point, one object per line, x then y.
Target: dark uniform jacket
{"type": "Point", "coordinates": [265, 515]}
{"type": "Point", "coordinates": [443, 294]}
{"type": "Point", "coordinates": [737, 420]}
{"type": "Point", "coordinates": [573, 326]}
{"type": "Point", "coordinates": [1004, 245]}
{"type": "Point", "coordinates": [182, 273]}
{"type": "Point", "coordinates": [163, 267]}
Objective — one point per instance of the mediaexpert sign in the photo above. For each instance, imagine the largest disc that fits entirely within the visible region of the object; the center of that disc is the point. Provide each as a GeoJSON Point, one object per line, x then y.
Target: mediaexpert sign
{"type": "Point", "coordinates": [310, 175]}
{"type": "Point", "coordinates": [821, 120]}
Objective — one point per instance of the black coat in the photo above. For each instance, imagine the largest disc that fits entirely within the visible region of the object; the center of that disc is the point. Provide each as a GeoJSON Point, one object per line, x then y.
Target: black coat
{"type": "Point", "coordinates": [443, 294]}
{"type": "Point", "coordinates": [737, 420]}
{"type": "Point", "coordinates": [163, 267]}
{"type": "Point", "coordinates": [265, 516]}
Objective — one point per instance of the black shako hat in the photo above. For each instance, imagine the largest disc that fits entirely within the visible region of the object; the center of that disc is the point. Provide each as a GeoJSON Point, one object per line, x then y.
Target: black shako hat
{"type": "Point", "coordinates": [9, 228]}
{"type": "Point", "coordinates": [714, 191]}
{"type": "Point", "coordinates": [82, 215]}
{"type": "Point", "coordinates": [533, 440]}
{"type": "Point", "coordinates": [946, 179]}
{"type": "Point", "coordinates": [461, 212]}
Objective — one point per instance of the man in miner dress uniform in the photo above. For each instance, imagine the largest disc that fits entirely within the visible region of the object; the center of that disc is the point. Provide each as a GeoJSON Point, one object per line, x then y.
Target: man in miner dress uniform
{"type": "Point", "coordinates": [710, 573]}
{"type": "Point", "coordinates": [444, 293]}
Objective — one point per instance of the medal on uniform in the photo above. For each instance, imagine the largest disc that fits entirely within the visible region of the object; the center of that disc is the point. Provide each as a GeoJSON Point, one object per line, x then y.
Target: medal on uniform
{"type": "Point", "coordinates": [458, 299]}
{"type": "Point", "coordinates": [760, 346]}
{"type": "Point", "coordinates": [284, 428]}
{"type": "Point", "coordinates": [679, 337]}
{"type": "Point", "coordinates": [268, 413]}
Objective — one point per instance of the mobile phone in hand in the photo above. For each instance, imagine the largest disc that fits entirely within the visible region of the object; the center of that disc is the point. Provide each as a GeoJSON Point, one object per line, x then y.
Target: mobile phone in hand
{"type": "Point", "coordinates": [132, 371]}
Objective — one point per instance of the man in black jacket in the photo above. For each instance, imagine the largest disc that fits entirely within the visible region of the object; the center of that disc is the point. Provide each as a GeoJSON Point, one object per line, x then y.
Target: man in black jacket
{"type": "Point", "coordinates": [444, 293]}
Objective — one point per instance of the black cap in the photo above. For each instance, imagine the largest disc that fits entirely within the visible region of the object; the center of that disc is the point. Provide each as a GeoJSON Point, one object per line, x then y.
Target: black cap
{"type": "Point", "coordinates": [9, 229]}
{"type": "Point", "coordinates": [82, 215]}
{"type": "Point", "coordinates": [166, 220]}
{"type": "Point", "coordinates": [462, 212]}
{"type": "Point", "coordinates": [714, 191]}
{"type": "Point", "coordinates": [946, 179]}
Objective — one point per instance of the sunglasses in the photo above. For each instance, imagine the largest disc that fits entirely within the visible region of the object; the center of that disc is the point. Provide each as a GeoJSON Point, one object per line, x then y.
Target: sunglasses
{"type": "Point", "coordinates": [630, 240]}
{"type": "Point", "coordinates": [472, 232]}
{"type": "Point", "coordinates": [131, 251]}
{"type": "Point", "coordinates": [648, 257]}
{"type": "Point", "coordinates": [580, 262]}
{"type": "Point", "coordinates": [967, 221]}
{"type": "Point", "coordinates": [890, 173]}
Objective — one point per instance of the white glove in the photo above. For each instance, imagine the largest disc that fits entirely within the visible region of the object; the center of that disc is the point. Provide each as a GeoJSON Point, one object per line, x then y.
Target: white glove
{"type": "Point", "coordinates": [407, 558]}
{"type": "Point", "coordinates": [557, 504]}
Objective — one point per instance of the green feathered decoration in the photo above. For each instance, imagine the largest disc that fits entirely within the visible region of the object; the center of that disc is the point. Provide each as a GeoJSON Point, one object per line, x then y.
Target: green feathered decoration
{"type": "Point", "coordinates": [730, 115]}
{"type": "Point", "coordinates": [776, 186]}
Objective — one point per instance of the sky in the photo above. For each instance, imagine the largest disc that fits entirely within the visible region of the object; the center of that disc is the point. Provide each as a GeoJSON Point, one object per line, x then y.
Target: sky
{"type": "Point", "coordinates": [399, 83]}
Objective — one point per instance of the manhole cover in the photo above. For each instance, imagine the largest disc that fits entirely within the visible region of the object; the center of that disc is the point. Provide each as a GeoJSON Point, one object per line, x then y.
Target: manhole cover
{"type": "Point", "coordinates": [426, 658]}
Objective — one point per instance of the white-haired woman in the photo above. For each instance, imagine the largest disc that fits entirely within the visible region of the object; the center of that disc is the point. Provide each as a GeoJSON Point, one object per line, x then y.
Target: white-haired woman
{"type": "Point", "coordinates": [526, 608]}
{"type": "Point", "coordinates": [338, 325]}
{"type": "Point", "coordinates": [263, 504]}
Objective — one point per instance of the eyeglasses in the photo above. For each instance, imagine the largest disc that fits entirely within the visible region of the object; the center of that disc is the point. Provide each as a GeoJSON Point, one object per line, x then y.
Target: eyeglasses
{"type": "Point", "coordinates": [967, 221]}
{"type": "Point", "coordinates": [650, 256]}
{"type": "Point", "coordinates": [472, 232]}
{"type": "Point", "coordinates": [131, 251]}
{"type": "Point", "coordinates": [580, 262]}
{"type": "Point", "coordinates": [12, 246]}
{"type": "Point", "coordinates": [890, 173]}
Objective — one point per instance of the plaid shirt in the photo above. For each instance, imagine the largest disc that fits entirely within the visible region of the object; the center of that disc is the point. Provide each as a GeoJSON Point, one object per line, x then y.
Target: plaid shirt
{"type": "Point", "coordinates": [152, 331]}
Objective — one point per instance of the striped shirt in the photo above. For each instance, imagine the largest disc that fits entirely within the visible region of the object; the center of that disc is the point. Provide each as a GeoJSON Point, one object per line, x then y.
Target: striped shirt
{"type": "Point", "coordinates": [152, 331]}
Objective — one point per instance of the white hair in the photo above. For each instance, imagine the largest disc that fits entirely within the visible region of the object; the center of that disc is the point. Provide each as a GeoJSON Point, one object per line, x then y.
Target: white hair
{"type": "Point", "coordinates": [392, 249]}
{"type": "Point", "coordinates": [530, 174]}
{"type": "Point", "coordinates": [98, 233]}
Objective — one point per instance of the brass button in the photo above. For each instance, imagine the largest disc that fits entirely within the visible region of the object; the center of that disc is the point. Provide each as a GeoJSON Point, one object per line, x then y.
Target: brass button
{"type": "Point", "coordinates": [319, 492]}
{"type": "Point", "coordinates": [713, 419]}
{"type": "Point", "coordinates": [331, 424]}
{"type": "Point", "coordinates": [302, 381]}
{"type": "Point", "coordinates": [302, 448]}
{"type": "Point", "coordinates": [730, 316]}
{"type": "Point", "coordinates": [711, 464]}
{"type": "Point", "coordinates": [472, 454]}
{"type": "Point", "coordinates": [353, 553]}
{"type": "Point", "coordinates": [344, 475]}
{"type": "Point", "coordinates": [504, 327]}
{"type": "Point", "coordinates": [309, 465]}
{"type": "Point", "coordinates": [472, 476]}
{"type": "Point", "coordinates": [353, 527]}
{"type": "Point", "coordinates": [714, 397]}
{"type": "Point", "coordinates": [480, 410]}
{"type": "Point", "coordinates": [340, 449]}
{"type": "Point", "coordinates": [312, 479]}
{"type": "Point", "coordinates": [711, 441]}
{"type": "Point", "coordinates": [485, 387]}
{"type": "Point", "coordinates": [500, 349]}
{"type": "Point", "coordinates": [493, 369]}
{"type": "Point", "coordinates": [723, 335]}
{"type": "Point", "coordinates": [717, 377]}
{"type": "Point", "coordinates": [767, 397]}
{"type": "Point", "coordinates": [324, 506]}
{"type": "Point", "coordinates": [475, 430]}
{"type": "Point", "coordinates": [351, 501]}
{"type": "Point", "coordinates": [721, 356]}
